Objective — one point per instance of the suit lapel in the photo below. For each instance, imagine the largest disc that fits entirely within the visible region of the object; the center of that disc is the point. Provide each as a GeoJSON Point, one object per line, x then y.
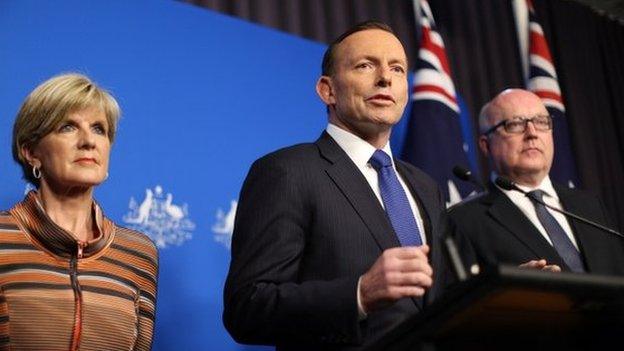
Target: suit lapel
{"type": "Point", "coordinates": [510, 217]}
{"type": "Point", "coordinates": [422, 194]}
{"type": "Point", "coordinates": [426, 200]}
{"type": "Point", "coordinates": [590, 249]}
{"type": "Point", "coordinates": [348, 178]}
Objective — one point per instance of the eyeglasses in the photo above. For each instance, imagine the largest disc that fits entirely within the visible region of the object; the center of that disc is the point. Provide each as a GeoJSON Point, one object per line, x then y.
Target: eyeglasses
{"type": "Point", "coordinates": [517, 125]}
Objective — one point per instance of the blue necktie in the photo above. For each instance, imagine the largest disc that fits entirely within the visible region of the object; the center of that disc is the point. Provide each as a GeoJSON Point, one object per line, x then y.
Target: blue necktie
{"type": "Point", "coordinates": [560, 240]}
{"type": "Point", "coordinates": [395, 201]}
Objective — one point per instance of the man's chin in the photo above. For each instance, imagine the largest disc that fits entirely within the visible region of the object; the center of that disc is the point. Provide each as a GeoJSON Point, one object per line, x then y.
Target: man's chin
{"type": "Point", "coordinates": [531, 168]}
{"type": "Point", "coordinates": [383, 120]}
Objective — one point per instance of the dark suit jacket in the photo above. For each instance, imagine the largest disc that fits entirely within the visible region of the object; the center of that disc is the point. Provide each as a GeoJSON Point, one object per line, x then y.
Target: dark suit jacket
{"type": "Point", "coordinates": [307, 226]}
{"type": "Point", "coordinates": [500, 233]}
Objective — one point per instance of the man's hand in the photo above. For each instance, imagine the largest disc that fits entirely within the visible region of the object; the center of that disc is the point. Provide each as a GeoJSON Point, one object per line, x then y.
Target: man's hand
{"type": "Point", "coordinates": [541, 264]}
{"type": "Point", "coordinates": [399, 272]}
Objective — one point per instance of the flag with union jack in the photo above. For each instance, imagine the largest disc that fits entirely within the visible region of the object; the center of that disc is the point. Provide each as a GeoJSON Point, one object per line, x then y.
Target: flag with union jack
{"type": "Point", "coordinates": [542, 80]}
{"type": "Point", "coordinates": [434, 140]}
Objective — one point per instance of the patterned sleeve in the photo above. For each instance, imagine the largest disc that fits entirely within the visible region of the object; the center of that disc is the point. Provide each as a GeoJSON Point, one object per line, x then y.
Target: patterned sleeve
{"type": "Point", "coordinates": [144, 260]}
{"type": "Point", "coordinates": [147, 302]}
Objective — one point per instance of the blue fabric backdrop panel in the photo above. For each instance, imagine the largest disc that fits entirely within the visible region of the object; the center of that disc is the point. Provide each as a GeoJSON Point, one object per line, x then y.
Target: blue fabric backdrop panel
{"type": "Point", "coordinates": [202, 95]}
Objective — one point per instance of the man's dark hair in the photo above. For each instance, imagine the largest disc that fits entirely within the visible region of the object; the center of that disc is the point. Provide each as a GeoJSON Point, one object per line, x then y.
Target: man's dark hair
{"type": "Point", "coordinates": [327, 68]}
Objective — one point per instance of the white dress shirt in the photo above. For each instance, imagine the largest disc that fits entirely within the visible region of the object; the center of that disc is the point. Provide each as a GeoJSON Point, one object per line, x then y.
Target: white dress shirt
{"type": "Point", "coordinates": [550, 197]}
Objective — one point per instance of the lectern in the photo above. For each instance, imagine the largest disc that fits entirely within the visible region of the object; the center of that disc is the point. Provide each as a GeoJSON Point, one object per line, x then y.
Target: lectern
{"type": "Point", "coordinates": [508, 308]}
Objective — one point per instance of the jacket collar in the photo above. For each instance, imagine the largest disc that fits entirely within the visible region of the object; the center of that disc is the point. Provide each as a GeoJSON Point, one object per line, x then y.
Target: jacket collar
{"type": "Point", "coordinates": [33, 219]}
{"type": "Point", "coordinates": [353, 185]}
{"type": "Point", "coordinates": [503, 210]}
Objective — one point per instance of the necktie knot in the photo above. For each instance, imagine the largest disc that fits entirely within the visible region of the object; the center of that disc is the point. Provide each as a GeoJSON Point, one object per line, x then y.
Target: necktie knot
{"type": "Point", "coordinates": [537, 195]}
{"type": "Point", "coordinates": [380, 160]}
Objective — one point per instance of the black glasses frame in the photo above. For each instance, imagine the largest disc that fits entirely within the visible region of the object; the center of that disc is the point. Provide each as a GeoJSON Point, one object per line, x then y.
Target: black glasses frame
{"type": "Point", "coordinates": [523, 119]}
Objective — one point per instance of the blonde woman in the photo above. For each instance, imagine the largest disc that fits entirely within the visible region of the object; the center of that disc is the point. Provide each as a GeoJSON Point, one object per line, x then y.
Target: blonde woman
{"type": "Point", "coordinates": [70, 278]}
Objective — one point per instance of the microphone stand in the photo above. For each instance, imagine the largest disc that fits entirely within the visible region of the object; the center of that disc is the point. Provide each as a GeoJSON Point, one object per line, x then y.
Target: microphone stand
{"type": "Point", "coordinates": [509, 185]}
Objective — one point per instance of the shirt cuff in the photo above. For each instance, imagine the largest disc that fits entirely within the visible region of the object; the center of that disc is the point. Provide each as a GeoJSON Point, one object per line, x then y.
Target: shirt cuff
{"type": "Point", "coordinates": [361, 314]}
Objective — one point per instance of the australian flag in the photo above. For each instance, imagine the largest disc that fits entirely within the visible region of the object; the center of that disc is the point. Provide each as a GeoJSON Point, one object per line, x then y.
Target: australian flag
{"type": "Point", "coordinates": [542, 80]}
{"type": "Point", "coordinates": [434, 140]}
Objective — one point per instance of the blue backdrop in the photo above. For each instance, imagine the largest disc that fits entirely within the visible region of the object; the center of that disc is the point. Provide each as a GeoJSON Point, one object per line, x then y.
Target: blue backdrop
{"type": "Point", "coordinates": [202, 95]}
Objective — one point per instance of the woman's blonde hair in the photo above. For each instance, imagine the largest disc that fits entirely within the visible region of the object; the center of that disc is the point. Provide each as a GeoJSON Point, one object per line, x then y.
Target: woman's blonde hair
{"type": "Point", "coordinates": [46, 107]}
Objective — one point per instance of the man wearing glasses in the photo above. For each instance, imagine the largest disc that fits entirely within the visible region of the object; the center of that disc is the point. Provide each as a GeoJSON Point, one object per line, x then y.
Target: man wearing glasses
{"type": "Point", "coordinates": [508, 227]}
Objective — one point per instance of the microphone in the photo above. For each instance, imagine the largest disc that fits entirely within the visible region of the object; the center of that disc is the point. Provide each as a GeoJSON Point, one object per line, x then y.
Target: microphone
{"type": "Point", "coordinates": [466, 175]}
{"type": "Point", "coordinates": [450, 247]}
{"type": "Point", "coordinates": [509, 185]}
{"type": "Point", "coordinates": [454, 258]}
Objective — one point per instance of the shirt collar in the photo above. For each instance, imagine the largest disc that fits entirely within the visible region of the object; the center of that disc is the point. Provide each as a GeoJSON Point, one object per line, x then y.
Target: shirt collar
{"type": "Point", "coordinates": [545, 185]}
{"type": "Point", "coordinates": [358, 150]}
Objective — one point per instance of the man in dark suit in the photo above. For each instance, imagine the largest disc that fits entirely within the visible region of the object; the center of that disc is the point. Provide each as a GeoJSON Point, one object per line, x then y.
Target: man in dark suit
{"type": "Point", "coordinates": [507, 226]}
{"type": "Point", "coordinates": [331, 249]}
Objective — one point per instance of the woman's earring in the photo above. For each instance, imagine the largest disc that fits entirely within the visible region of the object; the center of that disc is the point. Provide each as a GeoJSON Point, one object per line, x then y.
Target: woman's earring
{"type": "Point", "coordinates": [36, 172]}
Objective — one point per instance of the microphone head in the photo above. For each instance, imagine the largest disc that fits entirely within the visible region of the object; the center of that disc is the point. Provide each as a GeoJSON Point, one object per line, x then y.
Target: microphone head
{"type": "Point", "coordinates": [505, 183]}
{"type": "Point", "coordinates": [462, 173]}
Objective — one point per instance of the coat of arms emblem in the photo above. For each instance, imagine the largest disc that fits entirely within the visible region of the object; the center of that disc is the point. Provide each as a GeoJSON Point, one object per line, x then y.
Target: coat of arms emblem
{"type": "Point", "coordinates": [224, 226]}
{"type": "Point", "coordinates": [157, 216]}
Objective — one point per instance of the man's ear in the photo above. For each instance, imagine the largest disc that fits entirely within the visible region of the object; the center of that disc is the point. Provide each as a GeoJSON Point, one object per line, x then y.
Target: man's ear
{"type": "Point", "coordinates": [484, 145]}
{"type": "Point", "coordinates": [325, 90]}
